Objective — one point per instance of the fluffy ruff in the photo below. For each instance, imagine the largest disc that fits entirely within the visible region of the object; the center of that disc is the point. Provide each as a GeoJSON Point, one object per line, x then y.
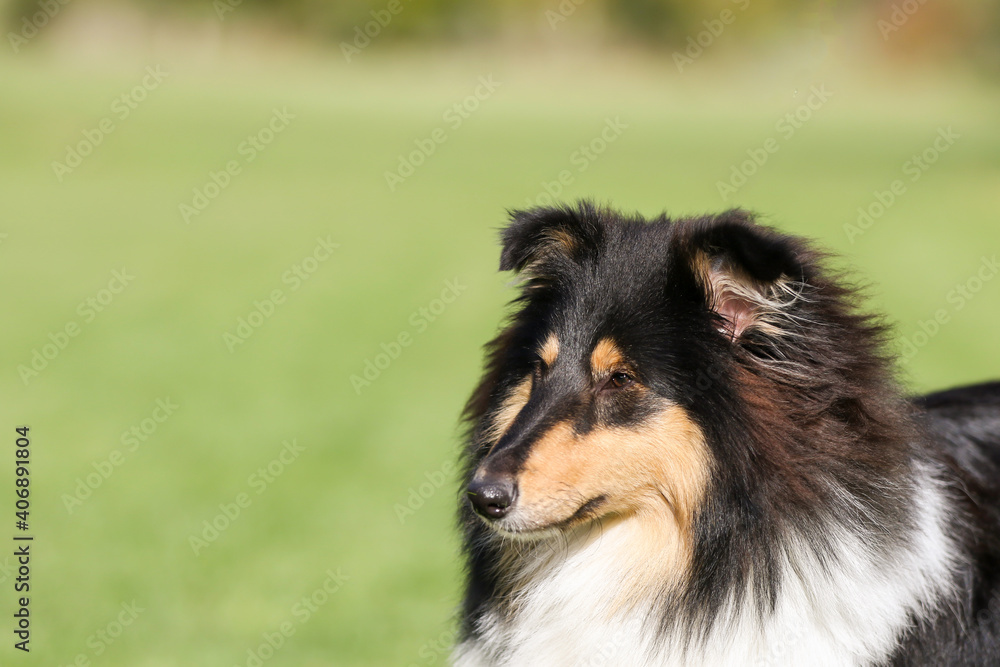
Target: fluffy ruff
{"type": "Point", "coordinates": [688, 448]}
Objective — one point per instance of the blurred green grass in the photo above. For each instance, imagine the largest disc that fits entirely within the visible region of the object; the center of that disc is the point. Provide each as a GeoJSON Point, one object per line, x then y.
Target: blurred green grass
{"type": "Point", "coordinates": [335, 506]}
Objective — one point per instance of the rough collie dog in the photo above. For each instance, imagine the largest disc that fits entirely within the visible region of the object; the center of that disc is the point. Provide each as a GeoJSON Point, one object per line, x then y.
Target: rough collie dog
{"type": "Point", "coordinates": [689, 449]}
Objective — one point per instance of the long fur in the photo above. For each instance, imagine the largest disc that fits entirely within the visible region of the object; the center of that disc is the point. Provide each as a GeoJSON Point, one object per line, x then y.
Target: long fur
{"type": "Point", "coordinates": [839, 524]}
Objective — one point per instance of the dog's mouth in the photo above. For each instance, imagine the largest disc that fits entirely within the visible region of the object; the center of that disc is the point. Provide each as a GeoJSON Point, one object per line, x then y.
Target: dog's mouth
{"type": "Point", "coordinates": [588, 510]}
{"type": "Point", "coordinates": [520, 522]}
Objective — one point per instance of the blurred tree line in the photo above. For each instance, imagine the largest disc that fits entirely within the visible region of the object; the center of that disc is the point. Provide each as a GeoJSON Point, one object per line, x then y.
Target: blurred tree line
{"type": "Point", "coordinates": [965, 27]}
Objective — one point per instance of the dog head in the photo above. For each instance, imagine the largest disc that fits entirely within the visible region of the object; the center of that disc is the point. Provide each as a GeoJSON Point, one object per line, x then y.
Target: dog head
{"type": "Point", "coordinates": [599, 393]}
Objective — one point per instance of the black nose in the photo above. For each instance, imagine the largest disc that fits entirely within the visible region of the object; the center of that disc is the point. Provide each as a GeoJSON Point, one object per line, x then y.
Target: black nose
{"type": "Point", "coordinates": [492, 497]}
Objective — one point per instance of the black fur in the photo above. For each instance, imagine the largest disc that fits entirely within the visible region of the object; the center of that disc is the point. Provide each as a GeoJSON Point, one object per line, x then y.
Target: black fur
{"type": "Point", "coordinates": [797, 415]}
{"type": "Point", "coordinates": [965, 424]}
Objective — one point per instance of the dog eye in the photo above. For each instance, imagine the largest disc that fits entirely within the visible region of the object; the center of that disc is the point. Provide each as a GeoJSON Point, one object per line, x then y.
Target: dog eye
{"type": "Point", "coordinates": [619, 380]}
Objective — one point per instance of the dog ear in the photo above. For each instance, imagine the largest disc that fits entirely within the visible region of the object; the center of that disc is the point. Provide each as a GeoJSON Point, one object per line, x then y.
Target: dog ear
{"type": "Point", "coordinates": [548, 234]}
{"type": "Point", "coordinates": [750, 274]}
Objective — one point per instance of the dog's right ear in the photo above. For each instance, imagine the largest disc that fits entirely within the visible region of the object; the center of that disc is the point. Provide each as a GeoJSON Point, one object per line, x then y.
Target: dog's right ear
{"type": "Point", "coordinates": [548, 234]}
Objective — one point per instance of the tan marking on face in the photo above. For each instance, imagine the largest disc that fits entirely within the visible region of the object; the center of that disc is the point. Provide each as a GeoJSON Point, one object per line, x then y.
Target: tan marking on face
{"type": "Point", "coordinates": [549, 350]}
{"type": "Point", "coordinates": [606, 357]}
{"type": "Point", "coordinates": [665, 459]}
{"type": "Point", "coordinates": [509, 409]}
{"type": "Point", "coordinates": [655, 474]}
{"type": "Point", "coordinates": [518, 397]}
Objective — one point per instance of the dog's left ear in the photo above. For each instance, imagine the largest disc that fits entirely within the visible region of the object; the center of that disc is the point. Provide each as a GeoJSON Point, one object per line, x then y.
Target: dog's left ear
{"type": "Point", "coordinates": [749, 273]}
{"type": "Point", "coordinates": [548, 235]}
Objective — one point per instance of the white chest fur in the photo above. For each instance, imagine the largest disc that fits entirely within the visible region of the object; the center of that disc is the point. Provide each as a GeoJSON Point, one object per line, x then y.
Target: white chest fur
{"type": "Point", "coordinates": [850, 613]}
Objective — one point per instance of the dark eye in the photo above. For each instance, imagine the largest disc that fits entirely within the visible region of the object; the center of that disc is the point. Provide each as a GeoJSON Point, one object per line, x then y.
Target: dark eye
{"type": "Point", "coordinates": [619, 380]}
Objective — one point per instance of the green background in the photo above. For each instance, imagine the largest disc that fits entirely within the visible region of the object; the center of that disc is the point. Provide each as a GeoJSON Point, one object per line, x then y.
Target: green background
{"type": "Point", "coordinates": [366, 453]}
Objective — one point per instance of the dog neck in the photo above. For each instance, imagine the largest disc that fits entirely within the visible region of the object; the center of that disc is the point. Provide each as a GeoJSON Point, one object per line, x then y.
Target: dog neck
{"type": "Point", "coordinates": [614, 593]}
